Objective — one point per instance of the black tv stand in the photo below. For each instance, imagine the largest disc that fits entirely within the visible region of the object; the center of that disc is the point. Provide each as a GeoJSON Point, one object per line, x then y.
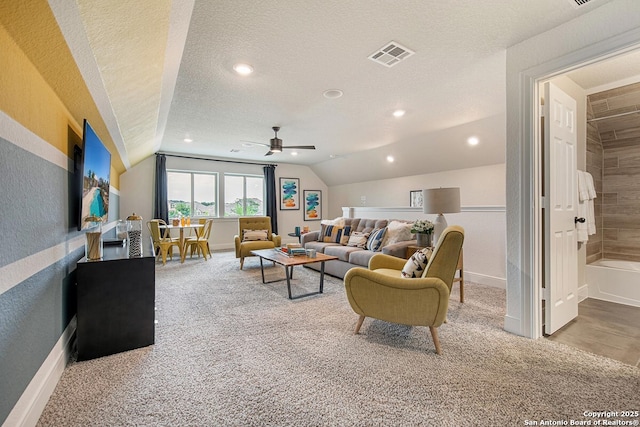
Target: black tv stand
{"type": "Point", "coordinates": [116, 303]}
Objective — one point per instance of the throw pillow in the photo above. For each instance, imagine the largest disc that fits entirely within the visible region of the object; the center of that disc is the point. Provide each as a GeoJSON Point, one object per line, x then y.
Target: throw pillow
{"type": "Point", "coordinates": [397, 231]}
{"type": "Point", "coordinates": [358, 239]}
{"type": "Point", "coordinates": [330, 234]}
{"type": "Point", "coordinates": [254, 235]}
{"type": "Point", "coordinates": [416, 264]}
{"type": "Point", "coordinates": [374, 243]}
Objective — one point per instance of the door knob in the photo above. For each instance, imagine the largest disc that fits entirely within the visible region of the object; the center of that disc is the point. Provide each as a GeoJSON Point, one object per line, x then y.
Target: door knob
{"type": "Point", "coordinates": [579, 220]}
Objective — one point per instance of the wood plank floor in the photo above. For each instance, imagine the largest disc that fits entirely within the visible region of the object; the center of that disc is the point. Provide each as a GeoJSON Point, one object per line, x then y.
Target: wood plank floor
{"type": "Point", "coordinates": [604, 328]}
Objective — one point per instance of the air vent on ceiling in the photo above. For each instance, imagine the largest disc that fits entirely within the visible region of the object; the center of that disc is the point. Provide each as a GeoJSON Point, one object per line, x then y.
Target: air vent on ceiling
{"type": "Point", "coordinates": [390, 54]}
{"type": "Point", "coordinates": [578, 3]}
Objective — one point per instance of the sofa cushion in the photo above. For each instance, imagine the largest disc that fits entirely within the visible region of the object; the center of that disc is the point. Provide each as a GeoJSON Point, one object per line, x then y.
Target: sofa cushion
{"type": "Point", "coordinates": [358, 239]}
{"type": "Point", "coordinates": [361, 257]}
{"type": "Point", "coordinates": [319, 246]}
{"type": "Point", "coordinates": [334, 234]}
{"type": "Point", "coordinates": [397, 231]}
{"type": "Point", "coordinates": [368, 225]}
{"type": "Point", "coordinates": [374, 243]}
{"type": "Point", "coordinates": [342, 252]}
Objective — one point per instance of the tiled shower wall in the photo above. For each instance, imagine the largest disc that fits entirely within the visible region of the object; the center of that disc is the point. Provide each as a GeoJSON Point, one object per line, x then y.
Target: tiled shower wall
{"type": "Point", "coordinates": [594, 167]}
{"type": "Point", "coordinates": [620, 137]}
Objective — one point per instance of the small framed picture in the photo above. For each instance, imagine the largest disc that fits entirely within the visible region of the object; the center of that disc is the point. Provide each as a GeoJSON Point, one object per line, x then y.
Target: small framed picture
{"type": "Point", "coordinates": [312, 205]}
{"type": "Point", "coordinates": [289, 194]}
{"type": "Point", "coordinates": [415, 198]}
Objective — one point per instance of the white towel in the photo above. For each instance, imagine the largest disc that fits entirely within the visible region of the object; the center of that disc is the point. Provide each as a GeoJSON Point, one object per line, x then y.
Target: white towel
{"type": "Point", "coordinates": [590, 187]}
{"type": "Point", "coordinates": [583, 190]}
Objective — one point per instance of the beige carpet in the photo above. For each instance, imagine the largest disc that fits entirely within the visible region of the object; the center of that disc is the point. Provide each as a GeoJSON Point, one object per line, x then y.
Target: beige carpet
{"type": "Point", "coordinates": [231, 351]}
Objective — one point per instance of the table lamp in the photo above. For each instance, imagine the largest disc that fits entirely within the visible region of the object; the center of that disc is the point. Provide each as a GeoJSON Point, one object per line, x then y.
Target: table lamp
{"type": "Point", "coordinates": [440, 201]}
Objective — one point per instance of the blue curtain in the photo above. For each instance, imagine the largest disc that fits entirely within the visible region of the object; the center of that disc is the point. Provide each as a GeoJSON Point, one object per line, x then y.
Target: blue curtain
{"type": "Point", "coordinates": [271, 202]}
{"type": "Point", "coordinates": [161, 208]}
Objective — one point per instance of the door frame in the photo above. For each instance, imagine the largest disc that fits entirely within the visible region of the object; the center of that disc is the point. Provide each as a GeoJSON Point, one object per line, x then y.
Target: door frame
{"type": "Point", "coordinates": [527, 218]}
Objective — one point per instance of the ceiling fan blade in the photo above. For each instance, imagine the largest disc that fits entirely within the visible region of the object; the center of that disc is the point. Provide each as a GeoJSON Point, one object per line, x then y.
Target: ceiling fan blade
{"type": "Point", "coordinates": [301, 147]}
{"type": "Point", "coordinates": [269, 153]}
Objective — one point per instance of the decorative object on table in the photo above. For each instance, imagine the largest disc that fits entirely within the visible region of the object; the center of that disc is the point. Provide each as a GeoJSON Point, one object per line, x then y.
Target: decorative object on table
{"type": "Point", "coordinates": [297, 231]}
{"type": "Point", "coordinates": [440, 201]}
{"type": "Point", "coordinates": [134, 235]}
{"type": "Point", "coordinates": [93, 248]}
{"type": "Point", "coordinates": [423, 229]}
{"type": "Point", "coordinates": [289, 194]}
{"type": "Point", "coordinates": [121, 230]}
{"type": "Point", "coordinates": [312, 205]}
{"type": "Point", "coordinates": [175, 222]}
{"type": "Point", "coordinates": [415, 198]}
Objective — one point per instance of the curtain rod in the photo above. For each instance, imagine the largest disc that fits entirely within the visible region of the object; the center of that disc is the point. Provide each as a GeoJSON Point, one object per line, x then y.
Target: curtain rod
{"type": "Point", "coordinates": [216, 160]}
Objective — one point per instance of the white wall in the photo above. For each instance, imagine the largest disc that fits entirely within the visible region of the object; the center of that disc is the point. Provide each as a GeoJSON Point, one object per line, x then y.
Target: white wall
{"type": "Point", "coordinates": [137, 189]}
{"type": "Point", "coordinates": [483, 216]}
{"type": "Point", "coordinates": [613, 27]}
{"type": "Point", "coordinates": [479, 186]}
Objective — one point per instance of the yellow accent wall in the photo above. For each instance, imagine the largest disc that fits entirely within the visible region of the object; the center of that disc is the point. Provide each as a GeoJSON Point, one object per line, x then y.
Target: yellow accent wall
{"type": "Point", "coordinates": [41, 86]}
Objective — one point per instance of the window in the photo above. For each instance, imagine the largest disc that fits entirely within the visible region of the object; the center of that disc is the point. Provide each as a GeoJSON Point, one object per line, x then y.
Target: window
{"type": "Point", "coordinates": [192, 194]}
{"type": "Point", "coordinates": [243, 195]}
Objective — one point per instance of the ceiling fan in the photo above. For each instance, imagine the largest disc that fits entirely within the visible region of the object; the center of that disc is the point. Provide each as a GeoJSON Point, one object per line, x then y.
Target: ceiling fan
{"type": "Point", "coordinates": [276, 146]}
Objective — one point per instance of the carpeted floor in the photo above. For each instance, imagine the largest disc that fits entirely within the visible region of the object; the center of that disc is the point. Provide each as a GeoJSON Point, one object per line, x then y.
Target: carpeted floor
{"type": "Point", "coordinates": [231, 351]}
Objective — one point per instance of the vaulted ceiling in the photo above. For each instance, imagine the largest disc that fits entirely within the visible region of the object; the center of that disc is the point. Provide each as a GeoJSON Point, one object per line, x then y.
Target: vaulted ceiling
{"type": "Point", "coordinates": [161, 73]}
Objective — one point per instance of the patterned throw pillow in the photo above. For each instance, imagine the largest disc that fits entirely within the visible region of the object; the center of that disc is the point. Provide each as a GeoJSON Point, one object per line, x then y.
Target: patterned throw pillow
{"type": "Point", "coordinates": [358, 239]}
{"type": "Point", "coordinates": [416, 264]}
{"type": "Point", "coordinates": [254, 235]}
{"type": "Point", "coordinates": [374, 243]}
{"type": "Point", "coordinates": [333, 233]}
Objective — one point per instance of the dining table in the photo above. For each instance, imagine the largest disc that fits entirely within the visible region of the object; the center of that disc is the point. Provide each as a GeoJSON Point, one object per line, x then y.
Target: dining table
{"type": "Point", "coordinates": [182, 227]}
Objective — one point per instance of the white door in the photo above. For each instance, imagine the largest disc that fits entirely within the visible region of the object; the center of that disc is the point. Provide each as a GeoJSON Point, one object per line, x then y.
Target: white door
{"type": "Point", "coordinates": [561, 245]}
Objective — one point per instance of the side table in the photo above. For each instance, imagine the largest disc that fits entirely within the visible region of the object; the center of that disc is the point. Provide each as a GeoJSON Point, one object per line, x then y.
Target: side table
{"type": "Point", "coordinates": [459, 268]}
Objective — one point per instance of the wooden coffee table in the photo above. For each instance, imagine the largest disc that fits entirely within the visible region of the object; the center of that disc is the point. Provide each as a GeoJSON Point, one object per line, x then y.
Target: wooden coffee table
{"type": "Point", "coordinates": [288, 263]}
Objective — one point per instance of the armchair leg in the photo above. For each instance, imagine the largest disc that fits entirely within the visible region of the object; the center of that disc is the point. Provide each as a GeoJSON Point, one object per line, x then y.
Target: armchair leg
{"type": "Point", "coordinates": [436, 341]}
{"type": "Point", "coordinates": [241, 262]}
{"type": "Point", "coordinates": [360, 320]}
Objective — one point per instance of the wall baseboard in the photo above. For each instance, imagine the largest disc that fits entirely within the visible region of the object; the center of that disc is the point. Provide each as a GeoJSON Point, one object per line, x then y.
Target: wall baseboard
{"type": "Point", "coordinates": [583, 293]}
{"type": "Point", "coordinates": [29, 407]}
{"type": "Point", "coordinates": [512, 325]}
{"type": "Point", "coordinates": [496, 282]}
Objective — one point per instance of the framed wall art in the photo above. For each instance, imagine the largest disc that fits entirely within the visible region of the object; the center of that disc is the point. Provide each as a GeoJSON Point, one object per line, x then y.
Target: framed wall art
{"type": "Point", "coordinates": [312, 205]}
{"type": "Point", "coordinates": [415, 198]}
{"type": "Point", "coordinates": [289, 194]}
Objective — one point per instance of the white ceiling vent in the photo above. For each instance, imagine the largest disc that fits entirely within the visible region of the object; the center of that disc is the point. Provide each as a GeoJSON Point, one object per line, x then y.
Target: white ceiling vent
{"type": "Point", "coordinates": [578, 3]}
{"type": "Point", "coordinates": [390, 54]}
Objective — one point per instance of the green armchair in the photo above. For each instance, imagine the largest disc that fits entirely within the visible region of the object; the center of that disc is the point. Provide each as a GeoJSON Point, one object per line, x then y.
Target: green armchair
{"type": "Point", "coordinates": [382, 293]}
{"type": "Point", "coordinates": [245, 246]}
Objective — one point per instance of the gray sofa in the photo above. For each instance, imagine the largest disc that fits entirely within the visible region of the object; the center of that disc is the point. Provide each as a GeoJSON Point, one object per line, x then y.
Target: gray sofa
{"type": "Point", "coordinates": [348, 256]}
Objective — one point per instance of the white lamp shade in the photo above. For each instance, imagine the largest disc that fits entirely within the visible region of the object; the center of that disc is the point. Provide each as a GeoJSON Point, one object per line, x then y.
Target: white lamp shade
{"type": "Point", "coordinates": [441, 200]}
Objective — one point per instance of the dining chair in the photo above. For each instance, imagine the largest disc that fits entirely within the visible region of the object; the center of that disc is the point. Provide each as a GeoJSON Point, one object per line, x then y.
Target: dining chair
{"type": "Point", "coordinates": [200, 242]}
{"type": "Point", "coordinates": [163, 243]}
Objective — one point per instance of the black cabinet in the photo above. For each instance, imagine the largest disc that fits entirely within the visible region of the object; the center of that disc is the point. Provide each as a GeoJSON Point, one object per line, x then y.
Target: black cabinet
{"type": "Point", "coordinates": [116, 303]}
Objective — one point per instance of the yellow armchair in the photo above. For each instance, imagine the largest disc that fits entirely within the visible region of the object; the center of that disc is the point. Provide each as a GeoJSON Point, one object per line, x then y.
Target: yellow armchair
{"type": "Point", "coordinates": [382, 293]}
{"type": "Point", "coordinates": [254, 223]}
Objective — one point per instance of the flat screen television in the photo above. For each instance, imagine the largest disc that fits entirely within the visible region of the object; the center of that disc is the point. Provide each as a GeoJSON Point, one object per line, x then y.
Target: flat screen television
{"type": "Point", "coordinates": [96, 169]}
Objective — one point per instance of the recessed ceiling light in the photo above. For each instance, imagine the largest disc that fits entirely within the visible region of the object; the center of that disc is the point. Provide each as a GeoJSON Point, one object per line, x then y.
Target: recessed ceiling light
{"type": "Point", "coordinates": [398, 113]}
{"type": "Point", "coordinates": [243, 69]}
{"type": "Point", "coordinates": [332, 93]}
{"type": "Point", "coordinates": [473, 141]}
{"type": "Point", "coordinates": [390, 159]}
{"type": "Point", "coordinates": [188, 140]}
{"type": "Point", "coordinates": [294, 153]}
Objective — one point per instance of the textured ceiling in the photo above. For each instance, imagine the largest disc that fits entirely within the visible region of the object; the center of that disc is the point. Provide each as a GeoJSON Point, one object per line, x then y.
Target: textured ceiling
{"type": "Point", "coordinates": [165, 74]}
